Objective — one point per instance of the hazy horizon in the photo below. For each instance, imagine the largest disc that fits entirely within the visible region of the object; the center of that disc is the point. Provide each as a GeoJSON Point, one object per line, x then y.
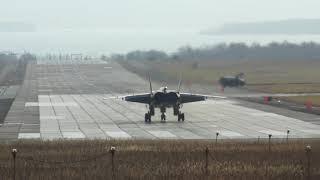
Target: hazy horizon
{"type": "Point", "coordinates": [156, 14]}
{"type": "Point", "coordinates": [119, 26]}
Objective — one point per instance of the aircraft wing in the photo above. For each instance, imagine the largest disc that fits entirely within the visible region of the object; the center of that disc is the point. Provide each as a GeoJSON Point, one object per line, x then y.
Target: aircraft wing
{"type": "Point", "coordinates": [140, 98]}
{"type": "Point", "coordinates": [188, 98]}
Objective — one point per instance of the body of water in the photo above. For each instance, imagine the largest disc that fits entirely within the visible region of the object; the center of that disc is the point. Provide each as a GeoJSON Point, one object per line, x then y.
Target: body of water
{"type": "Point", "coordinates": [122, 41]}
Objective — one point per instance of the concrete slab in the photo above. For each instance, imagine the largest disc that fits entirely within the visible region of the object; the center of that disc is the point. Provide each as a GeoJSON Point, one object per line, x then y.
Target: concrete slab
{"type": "Point", "coordinates": [163, 134]}
{"type": "Point", "coordinates": [231, 134]}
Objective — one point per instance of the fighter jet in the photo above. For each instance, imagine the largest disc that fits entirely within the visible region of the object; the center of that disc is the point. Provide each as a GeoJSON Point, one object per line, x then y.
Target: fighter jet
{"type": "Point", "coordinates": [163, 99]}
{"type": "Point", "coordinates": [232, 81]}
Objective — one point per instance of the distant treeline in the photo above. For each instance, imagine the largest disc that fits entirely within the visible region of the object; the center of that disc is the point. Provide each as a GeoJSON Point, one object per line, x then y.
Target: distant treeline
{"type": "Point", "coordinates": [13, 67]}
{"type": "Point", "coordinates": [232, 51]}
{"type": "Point", "coordinates": [10, 57]}
{"type": "Point", "coordinates": [4, 58]}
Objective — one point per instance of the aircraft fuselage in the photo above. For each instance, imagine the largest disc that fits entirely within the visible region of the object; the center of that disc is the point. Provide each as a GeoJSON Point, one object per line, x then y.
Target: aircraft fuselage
{"type": "Point", "coordinates": [165, 99]}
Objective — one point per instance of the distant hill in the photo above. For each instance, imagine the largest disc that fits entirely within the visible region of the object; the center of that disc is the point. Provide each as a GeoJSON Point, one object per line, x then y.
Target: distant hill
{"type": "Point", "coordinates": [295, 26]}
{"type": "Point", "coordinates": [16, 27]}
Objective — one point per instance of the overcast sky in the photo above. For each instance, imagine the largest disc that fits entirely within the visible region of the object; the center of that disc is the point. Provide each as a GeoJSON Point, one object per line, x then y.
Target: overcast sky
{"type": "Point", "coordinates": [194, 14]}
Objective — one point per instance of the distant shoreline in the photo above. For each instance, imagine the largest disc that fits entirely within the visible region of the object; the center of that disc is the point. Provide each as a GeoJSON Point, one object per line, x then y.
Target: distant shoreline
{"type": "Point", "coordinates": [96, 43]}
{"type": "Point", "coordinates": [285, 27]}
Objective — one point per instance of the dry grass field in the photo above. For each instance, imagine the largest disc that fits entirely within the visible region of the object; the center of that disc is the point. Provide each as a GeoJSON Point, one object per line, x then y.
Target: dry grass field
{"type": "Point", "coordinates": [264, 76]}
{"type": "Point", "coordinates": [209, 72]}
{"type": "Point", "coordinates": [147, 159]}
{"type": "Point", "coordinates": [292, 88]}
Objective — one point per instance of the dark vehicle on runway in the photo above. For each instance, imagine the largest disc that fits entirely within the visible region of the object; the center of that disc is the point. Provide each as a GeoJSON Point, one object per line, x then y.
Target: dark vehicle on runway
{"type": "Point", "coordinates": [232, 81]}
{"type": "Point", "coordinates": [164, 98]}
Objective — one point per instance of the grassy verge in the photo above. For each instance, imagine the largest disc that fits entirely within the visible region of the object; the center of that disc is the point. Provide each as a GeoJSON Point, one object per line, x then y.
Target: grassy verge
{"type": "Point", "coordinates": [147, 159]}
{"type": "Point", "coordinates": [277, 74]}
{"type": "Point", "coordinates": [293, 88]}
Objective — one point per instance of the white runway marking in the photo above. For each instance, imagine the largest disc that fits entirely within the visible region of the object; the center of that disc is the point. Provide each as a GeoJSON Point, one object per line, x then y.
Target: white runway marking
{"type": "Point", "coordinates": [118, 134]}
{"type": "Point", "coordinates": [46, 104]}
{"type": "Point", "coordinates": [44, 90]}
{"type": "Point", "coordinates": [260, 114]}
{"type": "Point", "coordinates": [50, 135]}
{"type": "Point", "coordinates": [24, 124]}
{"type": "Point", "coordinates": [29, 136]}
{"type": "Point", "coordinates": [14, 123]}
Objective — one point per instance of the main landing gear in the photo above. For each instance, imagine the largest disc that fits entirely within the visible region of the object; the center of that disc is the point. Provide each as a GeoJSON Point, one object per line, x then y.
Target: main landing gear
{"type": "Point", "coordinates": [181, 117]}
{"type": "Point", "coordinates": [163, 117]}
{"type": "Point", "coordinates": [178, 113]}
{"type": "Point", "coordinates": [147, 116]}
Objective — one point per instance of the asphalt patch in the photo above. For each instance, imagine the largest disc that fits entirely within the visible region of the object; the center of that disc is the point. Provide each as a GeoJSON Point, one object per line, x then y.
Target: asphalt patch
{"type": "Point", "coordinates": [5, 105]}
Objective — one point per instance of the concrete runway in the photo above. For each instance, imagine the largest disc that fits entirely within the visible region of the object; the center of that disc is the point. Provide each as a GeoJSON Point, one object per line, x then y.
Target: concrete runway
{"type": "Point", "coordinates": [68, 100]}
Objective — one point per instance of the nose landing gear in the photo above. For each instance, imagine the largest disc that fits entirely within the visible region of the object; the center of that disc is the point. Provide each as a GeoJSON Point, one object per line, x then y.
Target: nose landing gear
{"type": "Point", "coordinates": [147, 117]}
{"type": "Point", "coordinates": [177, 112]}
{"type": "Point", "coordinates": [149, 114]}
{"type": "Point", "coordinates": [163, 115]}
